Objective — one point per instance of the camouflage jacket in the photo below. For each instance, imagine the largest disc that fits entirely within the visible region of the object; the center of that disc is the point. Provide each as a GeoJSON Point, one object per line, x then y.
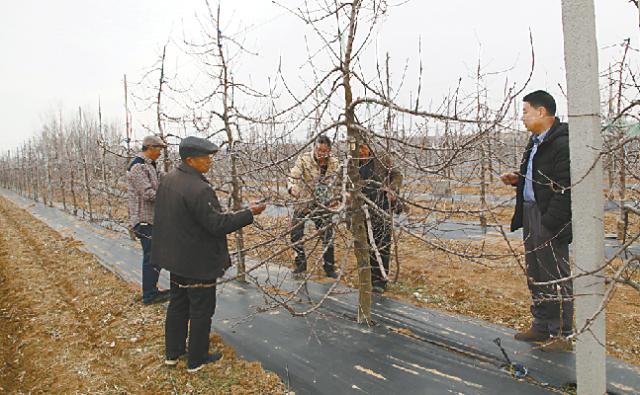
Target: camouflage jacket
{"type": "Point", "coordinates": [307, 182]}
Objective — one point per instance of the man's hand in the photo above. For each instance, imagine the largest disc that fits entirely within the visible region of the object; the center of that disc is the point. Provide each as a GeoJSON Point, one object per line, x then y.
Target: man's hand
{"type": "Point", "coordinates": [391, 195]}
{"type": "Point", "coordinates": [293, 191]}
{"type": "Point", "coordinates": [257, 208]}
{"type": "Point", "coordinates": [509, 179]}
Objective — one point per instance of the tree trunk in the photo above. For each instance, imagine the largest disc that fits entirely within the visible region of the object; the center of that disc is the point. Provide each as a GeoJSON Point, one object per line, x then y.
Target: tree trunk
{"type": "Point", "coordinates": [49, 177]}
{"type": "Point", "coordinates": [236, 188]}
{"type": "Point", "coordinates": [483, 186]}
{"type": "Point", "coordinates": [72, 179]}
{"type": "Point", "coordinates": [85, 168]}
{"type": "Point", "coordinates": [361, 245]}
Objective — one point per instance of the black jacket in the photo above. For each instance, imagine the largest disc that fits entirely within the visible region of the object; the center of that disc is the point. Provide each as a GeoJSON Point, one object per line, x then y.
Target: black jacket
{"type": "Point", "coordinates": [190, 230]}
{"type": "Point", "coordinates": [379, 173]}
{"type": "Point", "coordinates": [551, 182]}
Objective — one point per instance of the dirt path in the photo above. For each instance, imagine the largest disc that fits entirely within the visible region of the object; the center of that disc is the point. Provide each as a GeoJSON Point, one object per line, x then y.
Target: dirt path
{"type": "Point", "coordinates": [69, 325]}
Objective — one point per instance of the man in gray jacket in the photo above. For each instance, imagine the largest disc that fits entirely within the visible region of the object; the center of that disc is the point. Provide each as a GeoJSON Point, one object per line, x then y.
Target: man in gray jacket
{"type": "Point", "coordinates": [190, 241]}
{"type": "Point", "coordinates": [142, 179]}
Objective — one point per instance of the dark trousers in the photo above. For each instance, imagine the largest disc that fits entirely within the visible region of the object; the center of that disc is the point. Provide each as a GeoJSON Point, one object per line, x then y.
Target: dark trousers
{"type": "Point", "coordinates": [320, 220]}
{"type": "Point", "coordinates": [190, 311]}
{"type": "Point", "coordinates": [547, 259]}
{"type": "Point", "coordinates": [382, 236]}
{"type": "Point", "coordinates": [150, 273]}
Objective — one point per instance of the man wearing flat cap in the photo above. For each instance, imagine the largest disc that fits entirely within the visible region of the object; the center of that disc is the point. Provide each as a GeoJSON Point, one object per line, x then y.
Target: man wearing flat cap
{"type": "Point", "coordinates": [142, 180]}
{"type": "Point", "coordinates": [190, 241]}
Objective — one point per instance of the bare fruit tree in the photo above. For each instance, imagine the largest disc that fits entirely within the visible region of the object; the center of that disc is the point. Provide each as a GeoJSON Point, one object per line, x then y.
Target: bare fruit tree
{"type": "Point", "coordinates": [448, 149]}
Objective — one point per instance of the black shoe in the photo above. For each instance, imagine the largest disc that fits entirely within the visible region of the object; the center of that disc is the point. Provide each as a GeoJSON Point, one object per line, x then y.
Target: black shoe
{"type": "Point", "coordinates": [332, 274]}
{"type": "Point", "coordinates": [378, 288]}
{"type": "Point", "coordinates": [299, 270]}
{"type": "Point", "coordinates": [172, 362]}
{"type": "Point", "coordinates": [160, 297]}
{"type": "Point", "coordinates": [194, 367]}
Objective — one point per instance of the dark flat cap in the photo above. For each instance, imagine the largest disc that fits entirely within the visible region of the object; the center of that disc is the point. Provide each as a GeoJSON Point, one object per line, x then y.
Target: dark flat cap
{"type": "Point", "coordinates": [196, 146]}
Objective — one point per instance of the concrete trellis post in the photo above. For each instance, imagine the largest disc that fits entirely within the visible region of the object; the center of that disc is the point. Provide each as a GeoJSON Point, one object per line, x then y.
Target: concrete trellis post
{"type": "Point", "coordinates": [587, 200]}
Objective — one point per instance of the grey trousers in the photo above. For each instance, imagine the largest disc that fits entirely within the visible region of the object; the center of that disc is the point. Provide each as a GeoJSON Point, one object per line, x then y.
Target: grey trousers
{"type": "Point", "coordinates": [547, 259]}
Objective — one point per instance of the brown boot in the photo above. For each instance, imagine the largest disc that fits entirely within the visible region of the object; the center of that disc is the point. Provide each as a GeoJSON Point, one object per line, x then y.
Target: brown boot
{"type": "Point", "coordinates": [532, 335]}
{"type": "Point", "coordinates": [558, 344]}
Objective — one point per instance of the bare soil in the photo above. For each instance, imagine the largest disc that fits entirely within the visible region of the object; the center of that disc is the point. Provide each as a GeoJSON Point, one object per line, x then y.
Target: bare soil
{"type": "Point", "coordinates": [68, 325]}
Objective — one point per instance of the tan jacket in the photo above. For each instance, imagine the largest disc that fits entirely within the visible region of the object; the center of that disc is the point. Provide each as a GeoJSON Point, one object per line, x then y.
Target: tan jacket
{"type": "Point", "coordinates": [308, 184]}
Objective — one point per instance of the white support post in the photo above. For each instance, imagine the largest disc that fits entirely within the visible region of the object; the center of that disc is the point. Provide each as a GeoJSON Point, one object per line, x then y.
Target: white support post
{"type": "Point", "coordinates": [587, 200]}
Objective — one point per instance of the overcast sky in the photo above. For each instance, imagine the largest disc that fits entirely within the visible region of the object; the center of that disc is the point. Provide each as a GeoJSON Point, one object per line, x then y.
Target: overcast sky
{"type": "Point", "coordinates": [69, 53]}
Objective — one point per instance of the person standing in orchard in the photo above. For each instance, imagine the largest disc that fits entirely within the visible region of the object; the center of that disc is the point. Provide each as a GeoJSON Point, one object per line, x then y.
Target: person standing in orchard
{"type": "Point", "coordinates": [382, 183]}
{"type": "Point", "coordinates": [312, 182]}
{"type": "Point", "coordinates": [543, 211]}
{"type": "Point", "coordinates": [142, 178]}
{"type": "Point", "coordinates": [190, 241]}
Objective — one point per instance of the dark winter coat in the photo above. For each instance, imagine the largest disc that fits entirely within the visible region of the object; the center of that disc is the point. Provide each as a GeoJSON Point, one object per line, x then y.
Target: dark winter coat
{"type": "Point", "coordinates": [551, 175]}
{"type": "Point", "coordinates": [379, 173]}
{"type": "Point", "coordinates": [190, 230]}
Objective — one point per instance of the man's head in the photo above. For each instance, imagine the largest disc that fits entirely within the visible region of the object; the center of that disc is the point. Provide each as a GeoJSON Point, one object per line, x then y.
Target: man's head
{"type": "Point", "coordinates": [197, 153]}
{"type": "Point", "coordinates": [152, 147]}
{"type": "Point", "coordinates": [364, 151]}
{"type": "Point", "coordinates": [538, 111]}
{"type": "Point", "coordinates": [322, 149]}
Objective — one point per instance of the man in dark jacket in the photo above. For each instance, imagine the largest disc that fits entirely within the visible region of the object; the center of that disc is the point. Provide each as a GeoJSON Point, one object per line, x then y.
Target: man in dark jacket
{"type": "Point", "coordinates": [543, 210]}
{"type": "Point", "coordinates": [189, 240]}
{"type": "Point", "coordinates": [381, 185]}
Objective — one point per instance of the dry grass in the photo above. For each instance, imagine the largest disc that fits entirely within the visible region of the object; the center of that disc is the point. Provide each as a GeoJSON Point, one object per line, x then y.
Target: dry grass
{"type": "Point", "coordinates": [68, 325]}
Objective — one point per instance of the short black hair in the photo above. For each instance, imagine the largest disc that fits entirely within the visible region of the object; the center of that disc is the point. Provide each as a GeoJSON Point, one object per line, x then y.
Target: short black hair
{"type": "Point", "coordinates": [322, 139]}
{"type": "Point", "coordinates": [541, 98]}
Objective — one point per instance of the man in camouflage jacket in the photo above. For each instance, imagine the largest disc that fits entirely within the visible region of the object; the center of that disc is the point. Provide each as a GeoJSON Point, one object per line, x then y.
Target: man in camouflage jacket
{"type": "Point", "coordinates": [312, 181]}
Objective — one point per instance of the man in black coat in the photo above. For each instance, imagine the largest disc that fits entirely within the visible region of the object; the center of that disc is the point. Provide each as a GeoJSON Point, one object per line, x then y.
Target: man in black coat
{"type": "Point", "coordinates": [543, 210]}
{"type": "Point", "coordinates": [382, 183]}
{"type": "Point", "coordinates": [190, 241]}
